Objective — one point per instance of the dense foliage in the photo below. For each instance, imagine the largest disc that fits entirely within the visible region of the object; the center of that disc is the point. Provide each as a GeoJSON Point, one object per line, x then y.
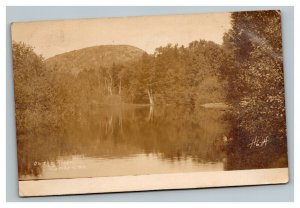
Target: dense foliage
{"type": "Point", "coordinates": [34, 91]}
{"type": "Point", "coordinates": [172, 75]}
{"type": "Point", "coordinates": [256, 87]}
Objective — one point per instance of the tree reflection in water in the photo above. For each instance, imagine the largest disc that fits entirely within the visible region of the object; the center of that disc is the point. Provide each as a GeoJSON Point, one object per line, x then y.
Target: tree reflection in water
{"type": "Point", "coordinates": [171, 133]}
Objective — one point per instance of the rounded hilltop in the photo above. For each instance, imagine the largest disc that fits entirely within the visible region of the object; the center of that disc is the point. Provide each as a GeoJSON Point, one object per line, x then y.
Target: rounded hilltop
{"type": "Point", "coordinates": [93, 57]}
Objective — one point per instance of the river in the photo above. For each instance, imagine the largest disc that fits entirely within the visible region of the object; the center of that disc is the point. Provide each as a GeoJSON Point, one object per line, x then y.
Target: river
{"type": "Point", "coordinates": [127, 140]}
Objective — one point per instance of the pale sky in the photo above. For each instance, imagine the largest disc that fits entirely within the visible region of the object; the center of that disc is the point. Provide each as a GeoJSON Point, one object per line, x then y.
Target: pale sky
{"type": "Point", "coordinates": [148, 32]}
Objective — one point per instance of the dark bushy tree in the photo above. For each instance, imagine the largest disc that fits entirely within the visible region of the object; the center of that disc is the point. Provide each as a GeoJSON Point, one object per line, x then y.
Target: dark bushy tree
{"type": "Point", "coordinates": [254, 70]}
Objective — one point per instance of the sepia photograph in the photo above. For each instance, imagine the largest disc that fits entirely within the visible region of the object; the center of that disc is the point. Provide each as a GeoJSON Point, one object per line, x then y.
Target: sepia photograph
{"type": "Point", "coordinates": [149, 103]}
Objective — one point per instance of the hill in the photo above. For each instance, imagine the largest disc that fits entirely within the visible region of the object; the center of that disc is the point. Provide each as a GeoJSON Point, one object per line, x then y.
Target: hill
{"type": "Point", "coordinates": [93, 57]}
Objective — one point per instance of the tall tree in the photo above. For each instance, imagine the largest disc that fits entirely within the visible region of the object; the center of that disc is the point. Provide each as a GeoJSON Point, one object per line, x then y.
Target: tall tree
{"type": "Point", "coordinates": [254, 70]}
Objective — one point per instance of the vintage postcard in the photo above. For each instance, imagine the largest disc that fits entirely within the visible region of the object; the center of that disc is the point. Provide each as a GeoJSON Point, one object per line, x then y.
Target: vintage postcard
{"type": "Point", "coordinates": [149, 103]}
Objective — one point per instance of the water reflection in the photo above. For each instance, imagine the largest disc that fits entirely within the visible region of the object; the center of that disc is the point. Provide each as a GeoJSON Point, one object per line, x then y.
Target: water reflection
{"type": "Point", "coordinates": [126, 140]}
{"type": "Point", "coordinates": [138, 164]}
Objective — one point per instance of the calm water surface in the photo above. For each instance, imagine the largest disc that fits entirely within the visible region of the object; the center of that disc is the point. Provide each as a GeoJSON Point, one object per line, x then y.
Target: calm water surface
{"type": "Point", "coordinates": [126, 140]}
